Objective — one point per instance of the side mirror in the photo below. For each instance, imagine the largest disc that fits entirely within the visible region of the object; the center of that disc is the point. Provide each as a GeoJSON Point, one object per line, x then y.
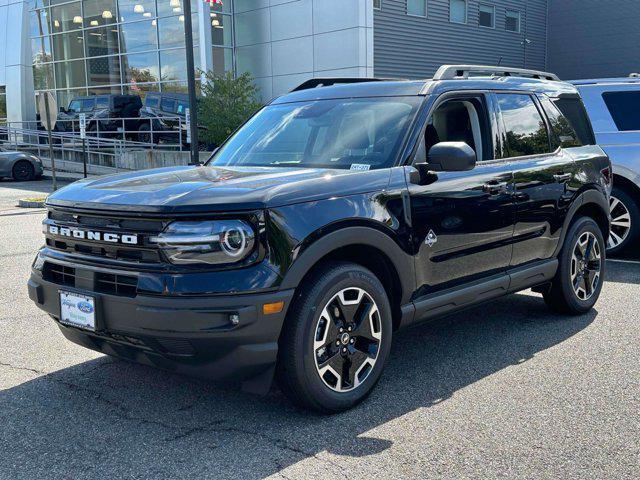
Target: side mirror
{"type": "Point", "coordinates": [451, 157]}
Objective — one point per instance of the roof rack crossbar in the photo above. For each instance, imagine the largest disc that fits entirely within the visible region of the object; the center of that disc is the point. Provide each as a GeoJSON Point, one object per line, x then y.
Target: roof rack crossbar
{"type": "Point", "coordinates": [453, 72]}
{"type": "Point", "coordinates": [327, 82]}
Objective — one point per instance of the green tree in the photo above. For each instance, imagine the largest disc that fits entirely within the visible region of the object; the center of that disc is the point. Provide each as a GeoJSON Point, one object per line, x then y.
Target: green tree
{"type": "Point", "coordinates": [227, 102]}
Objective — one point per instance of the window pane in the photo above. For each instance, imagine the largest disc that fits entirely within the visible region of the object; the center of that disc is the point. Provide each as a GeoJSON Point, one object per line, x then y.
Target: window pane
{"type": "Point", "coordinates": [39, 20]}
{"type": "Point", "coordinates": [221, 30]}
{"type": "Point", "coordinates": [42, 76]}
{"type": "Point", "coordinates": [222, 60]}
{"type": "Point", "coordinates": [417, 7]}
{"type": "Point", "coordinates": [3, 103]}
{"type": "Point", "coordinates": [138, 36]}
{"type": "Point", "coordinates": [104, 70]}
{"type": "Point", "coordinates": [68, 46]}
{"type": "Point", "coordinates": [222, 6]}
{"type": "Point", "coordinates": [142, 89]}
{"type": "Point", "coordinates": [171, 31]}
{"type": "Point", "coordinates": [66, 17]}
{"type": "Point", "coordinates": [169, 7]}
{"type": "Point", "coordinates": [573, 109]}
{"type": "Point", "coordinates": [113, 90]}
{"type": "Point", "coordinates": [173, 65]}
{"type": "Point", "coordinates": [36, 49]}
{"type": "Point", "coordinates": [141, 68]}
{"type": "Point", "coordinates": [99, 12]}
{"type": "Point", "coordinates": [563, 133]}
{"type": "Point", "coordinates": [458, 11]}
{"type": "Point", "coordinates": [377, 4]}
{"type": "Point", "coordinates": [102, 41]}
{"type": "Point", "coordinates": [625, 109]}
{"type": "Point", "coordinates": [131, 10]}
{"type": "Point", "coordinates": [486, 16]}
{"type": "Point", "coordinates": [526, 132]}
{"type": "Point", "coordinates": [512, 21]}
{"type": "Point", "coordinates": [70, 74]}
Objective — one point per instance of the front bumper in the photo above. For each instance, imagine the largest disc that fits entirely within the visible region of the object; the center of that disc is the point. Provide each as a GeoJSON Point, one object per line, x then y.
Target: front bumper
{"type": "Point", "coordinates": [192, 335]}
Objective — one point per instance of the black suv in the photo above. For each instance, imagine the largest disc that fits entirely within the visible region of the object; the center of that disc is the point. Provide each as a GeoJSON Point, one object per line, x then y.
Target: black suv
{"type": "Point", "coordinates": [107, 115]}
{"type": "Point", "coordinates": [163, 119]}
{"type": "Point", "coordinates": [341, 212]}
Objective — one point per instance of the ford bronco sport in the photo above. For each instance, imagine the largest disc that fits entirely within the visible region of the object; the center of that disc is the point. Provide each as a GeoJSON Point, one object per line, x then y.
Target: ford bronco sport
{"type": "Point", "coordinates": [339, 213]}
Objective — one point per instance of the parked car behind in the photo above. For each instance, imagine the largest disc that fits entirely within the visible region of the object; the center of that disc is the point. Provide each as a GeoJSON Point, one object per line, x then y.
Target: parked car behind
{"type": "Point", "coordinates": [163, 119]}
{"type": "Point", "coordinates": [614, 107]}
{"type": "Point", "coordinates": [104, 114]}
{"type": "Point", "coordinates": [20, 166]}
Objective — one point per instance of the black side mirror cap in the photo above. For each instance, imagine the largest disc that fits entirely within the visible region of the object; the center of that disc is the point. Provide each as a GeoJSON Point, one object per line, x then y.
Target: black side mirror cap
{"type": "Point", "coordinates": [451, 157]}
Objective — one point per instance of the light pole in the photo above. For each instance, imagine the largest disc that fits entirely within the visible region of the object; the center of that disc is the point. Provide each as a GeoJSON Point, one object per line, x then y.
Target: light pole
{"type": "Point", "coordinates": [191, 84]}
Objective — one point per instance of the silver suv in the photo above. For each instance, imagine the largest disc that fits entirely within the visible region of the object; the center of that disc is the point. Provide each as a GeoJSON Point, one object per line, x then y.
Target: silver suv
{"type": "Point", "coordinates": [614, 107]}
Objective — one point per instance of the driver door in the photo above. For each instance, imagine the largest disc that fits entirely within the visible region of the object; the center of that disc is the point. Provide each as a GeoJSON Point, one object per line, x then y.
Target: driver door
{"type": "Point", "coordinates": [462, 222]}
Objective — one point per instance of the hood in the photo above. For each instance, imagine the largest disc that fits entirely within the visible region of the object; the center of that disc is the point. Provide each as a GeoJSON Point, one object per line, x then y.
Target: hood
{"type": "Point", "coordinates": [196, 189]}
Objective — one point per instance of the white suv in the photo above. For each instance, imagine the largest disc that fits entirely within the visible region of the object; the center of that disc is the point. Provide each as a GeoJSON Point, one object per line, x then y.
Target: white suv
{"type": "Point", "coordinates": [614, 107]}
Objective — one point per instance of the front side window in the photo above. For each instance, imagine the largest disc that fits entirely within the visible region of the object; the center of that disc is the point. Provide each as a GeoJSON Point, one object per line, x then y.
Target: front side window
{"type": "Point", "coordinates": [512, 21]}
{"type": "Point", "coordinates": [417, 7]}
{"type": "Point", "coordinates": [487, 16]}
{"type": "Point", "coordinates": [624, 108]}
{"type": "Point", "coordinates": [75, 106]}
{"type": "Point", "coordinates": [525, 130]}
{"type": "Point", "coordinates": [87, 104]}
{"type": "Point", "coordinates": [359, 134]}
{"type": "Point", "coordinates": [458, 11]}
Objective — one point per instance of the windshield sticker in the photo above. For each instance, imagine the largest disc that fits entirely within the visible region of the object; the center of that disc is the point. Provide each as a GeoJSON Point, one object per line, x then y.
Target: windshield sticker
{"type": "Point", "coordinates": [360, 166]}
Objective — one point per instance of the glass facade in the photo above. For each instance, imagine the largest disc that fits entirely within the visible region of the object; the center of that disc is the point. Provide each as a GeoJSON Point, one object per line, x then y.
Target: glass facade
{"type": "Point", "coordinates": [122, 46]}
{"type": "Point", "coordinates": [3, 104]}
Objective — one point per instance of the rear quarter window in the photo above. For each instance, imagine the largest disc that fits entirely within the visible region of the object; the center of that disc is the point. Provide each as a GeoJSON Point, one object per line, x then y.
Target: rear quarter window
{"type": "Point", "coordinates": [625, 109]}
{"type": "Point", "coordinates": [563, 133]}
{"type": "Point", "coordinates": [573, 110]}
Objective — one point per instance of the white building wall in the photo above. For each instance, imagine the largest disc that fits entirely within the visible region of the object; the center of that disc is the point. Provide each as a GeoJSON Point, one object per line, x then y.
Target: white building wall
{"type": "Point", "coordinates": [285, 42]}
{"type": "Point", "coordinates": [15, 60]}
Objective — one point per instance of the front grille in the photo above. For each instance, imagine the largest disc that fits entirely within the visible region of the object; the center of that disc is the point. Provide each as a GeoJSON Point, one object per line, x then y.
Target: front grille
{"type": "Point", "coordinates": [123, 285]}
{"type": "Point", "coordinates": [143, 253]}
{"type": "Point", "coordinates": [59, 274]}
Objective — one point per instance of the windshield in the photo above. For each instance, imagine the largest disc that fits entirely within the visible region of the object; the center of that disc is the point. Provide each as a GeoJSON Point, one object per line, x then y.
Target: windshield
{"type": "Point", "coordinates": [356, 134]}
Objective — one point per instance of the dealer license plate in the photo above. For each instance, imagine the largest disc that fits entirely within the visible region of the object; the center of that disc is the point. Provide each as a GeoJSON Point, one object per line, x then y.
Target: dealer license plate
{"type": "Point", "coordinates": [78, 310]}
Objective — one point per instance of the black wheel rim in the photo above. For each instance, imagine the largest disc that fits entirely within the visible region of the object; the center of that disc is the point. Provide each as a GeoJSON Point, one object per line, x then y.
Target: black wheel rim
{"type": "Point", "coordinates": [22, 171]}
{"type": "Point", "coordinates": [586, 266]}
{"type": "Point", "coordinates": [347, 339]}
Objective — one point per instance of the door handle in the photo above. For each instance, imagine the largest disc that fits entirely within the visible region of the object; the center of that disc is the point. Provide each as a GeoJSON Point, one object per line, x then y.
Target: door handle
{"type": "Point", "coordinates": [562, 177]}
{"type": "Point", "coordinates": [495, 188]}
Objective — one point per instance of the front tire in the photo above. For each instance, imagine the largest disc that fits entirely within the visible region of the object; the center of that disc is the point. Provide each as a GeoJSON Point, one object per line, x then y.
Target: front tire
{"type": "Point", "coordinates": [336, 339]}
{"type": "Point", "coordinates": [577, 285]}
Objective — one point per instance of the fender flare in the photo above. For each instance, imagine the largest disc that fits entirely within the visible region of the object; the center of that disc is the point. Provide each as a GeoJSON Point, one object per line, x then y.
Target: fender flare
{"type": "Point", "coordinates": [402, 262]}
{"type": "Point", "coordinates": [591, 196]}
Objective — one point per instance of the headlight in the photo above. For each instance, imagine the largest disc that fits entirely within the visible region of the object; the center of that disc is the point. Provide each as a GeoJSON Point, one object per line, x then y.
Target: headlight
{"type": "Point", "coordinates": [210, 242]}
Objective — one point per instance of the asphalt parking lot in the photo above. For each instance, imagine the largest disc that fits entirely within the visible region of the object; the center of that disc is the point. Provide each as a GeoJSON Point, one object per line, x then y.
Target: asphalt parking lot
{"type": "Point", "coordinates": [504, 390]}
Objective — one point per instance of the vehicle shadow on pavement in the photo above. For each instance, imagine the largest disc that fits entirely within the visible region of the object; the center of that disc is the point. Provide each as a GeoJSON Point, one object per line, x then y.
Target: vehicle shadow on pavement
{"type": "Point", "coordinates": [623, 272]}
{"type": "Point", "coordinates": [105, 418]}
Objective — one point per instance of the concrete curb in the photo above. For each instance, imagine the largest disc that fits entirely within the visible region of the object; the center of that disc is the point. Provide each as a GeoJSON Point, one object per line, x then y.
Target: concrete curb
{"type": "Point", "coordinates": [31, 203]}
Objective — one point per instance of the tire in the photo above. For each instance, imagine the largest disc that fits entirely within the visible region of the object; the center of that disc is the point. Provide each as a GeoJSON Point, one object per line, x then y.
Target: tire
{"type": "Point", "coordinates": [144, 134]}
{"type": "Point", "coordinates": [625, 222]}
{"type": "Point", "coordinates": [23, 171]}
{"type": "Point", "coordinates": [572, 292]}
{"type": "Point", "coordinates": [311, 335]}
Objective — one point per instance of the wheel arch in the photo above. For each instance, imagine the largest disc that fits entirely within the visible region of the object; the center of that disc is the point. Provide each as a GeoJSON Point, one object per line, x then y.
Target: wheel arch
{"type": "Point", "coordinates": [364, 246]}
{"type": "Point", "coordinates": [592, 203]}
{"type": "Point", "coordinates": [628, 186]}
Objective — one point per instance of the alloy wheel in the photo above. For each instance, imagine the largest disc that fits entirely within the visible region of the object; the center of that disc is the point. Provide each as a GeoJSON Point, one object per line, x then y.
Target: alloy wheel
{"type": "Point", "coordinates": [22, 171]}
{"type": "Point", "coordinates": [620, 223]}
{"type": "Point", "coordinates": [586, 265]}
{"type": "Point", "coordinates": [347, 339]}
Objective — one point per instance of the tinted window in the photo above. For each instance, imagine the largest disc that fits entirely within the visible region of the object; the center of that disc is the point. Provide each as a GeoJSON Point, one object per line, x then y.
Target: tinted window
{"type": "Point", "coordinates": [525, 130]}
{"type": "Point", "coordinates": [87, 104]}
{"type": "Point", "coordinates": [75, 106]}
{"type": "Point", "coordinates": [574, 111]}
{"type": "Point", "coordinates": [102, 102]}
{"type": "Point", "coordinates": [152, 101]}
{"type": "Point", "coordinates": [624, 108]}
{"type": "Point", "coordinates": [563, 134]}
{"type": "Point", "coordinates": [168, 105]}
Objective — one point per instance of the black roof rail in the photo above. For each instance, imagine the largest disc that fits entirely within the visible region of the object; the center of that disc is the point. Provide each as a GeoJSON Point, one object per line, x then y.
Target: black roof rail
{"type": "Point", "coordinates": [456, 72]}
{"type": "Point", "coordinates": [327, 82]}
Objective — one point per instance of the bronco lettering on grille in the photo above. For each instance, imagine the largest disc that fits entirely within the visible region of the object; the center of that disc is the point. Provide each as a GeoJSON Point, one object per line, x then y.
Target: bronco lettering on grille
{"type": "Point", "coordinates": [108, 237]}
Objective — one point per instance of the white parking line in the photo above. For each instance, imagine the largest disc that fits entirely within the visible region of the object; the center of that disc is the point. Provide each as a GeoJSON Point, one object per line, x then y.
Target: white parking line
{"type": "Point", "coordinates": [616, 260]}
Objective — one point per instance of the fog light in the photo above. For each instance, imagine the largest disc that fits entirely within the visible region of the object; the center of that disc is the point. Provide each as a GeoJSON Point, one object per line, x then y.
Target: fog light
{"type": "Point", "coordinates": [234, 319]}
{"type": "Point", "coordinates": [271, 308]}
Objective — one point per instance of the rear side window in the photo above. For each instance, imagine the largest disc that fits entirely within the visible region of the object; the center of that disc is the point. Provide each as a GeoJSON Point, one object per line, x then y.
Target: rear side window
{"type": "Point", "coordinates": [525, 130]}
{"type": "Point", "coordinates": [168, 105]}
{"type": "Point", "coordinates": [102, 102]}
{"type": "Point", "coordinates": [573, 110]}
{"type": "Point", "coordinates": [87, 104]}
{"type": "Point", "coordinates": [152, 101]}
{"type": "Point", "coordinates": [625, 109]}
{"type": "Point", "coordinates": [563, 134]}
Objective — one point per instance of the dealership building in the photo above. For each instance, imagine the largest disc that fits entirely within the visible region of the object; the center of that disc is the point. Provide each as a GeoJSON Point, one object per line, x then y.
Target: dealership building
{"type": "Point", "coordinates": [85, 47]}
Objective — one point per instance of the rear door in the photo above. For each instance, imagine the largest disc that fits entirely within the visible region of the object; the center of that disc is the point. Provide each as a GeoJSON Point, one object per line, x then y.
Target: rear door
{"type": "Point", "coordinates": [543, 174]}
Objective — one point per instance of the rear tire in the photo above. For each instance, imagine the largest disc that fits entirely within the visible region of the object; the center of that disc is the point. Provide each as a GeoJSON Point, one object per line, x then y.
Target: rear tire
{"type": "Point", "coordinates": [625, 222]}
{"type": "Point", "coordinates": [341, 312]}
{"type": "Point", "coordinates": [23, 171]}
{"type": "Point", "coordinates": [578, 282]}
